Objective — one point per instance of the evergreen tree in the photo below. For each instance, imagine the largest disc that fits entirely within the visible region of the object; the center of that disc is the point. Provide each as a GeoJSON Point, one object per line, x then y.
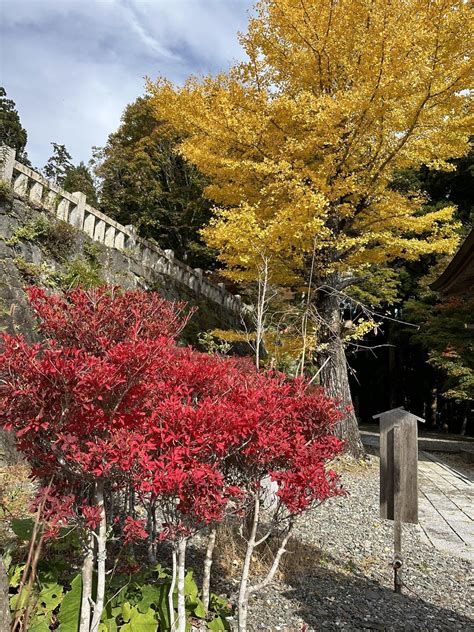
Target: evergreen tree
{"type": "Point", "coordinates": [12, 132]}
{"type": "Point", "coordinates": [79, 178]}
{"type": "Point", "coordinates": [147, 183]}
{"type": "Point", "coordinates": [58, 164]}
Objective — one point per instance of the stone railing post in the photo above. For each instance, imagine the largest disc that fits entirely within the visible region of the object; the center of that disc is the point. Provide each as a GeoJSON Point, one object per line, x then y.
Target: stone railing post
{"type": "Point", "coordinates": [76, 214]}
{"type": "Point", "coordinates": [7, 162]}
{"type": "Point", "coordinates": [131, 239]}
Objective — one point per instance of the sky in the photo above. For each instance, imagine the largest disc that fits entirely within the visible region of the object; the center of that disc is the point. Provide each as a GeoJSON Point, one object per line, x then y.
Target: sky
{"type": "Point", "coordinates": [72, 66]}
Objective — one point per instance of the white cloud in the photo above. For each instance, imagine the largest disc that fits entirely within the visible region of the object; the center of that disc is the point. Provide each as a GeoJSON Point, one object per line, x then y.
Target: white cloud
{"type": "Point", "coordinates": [72, 65]}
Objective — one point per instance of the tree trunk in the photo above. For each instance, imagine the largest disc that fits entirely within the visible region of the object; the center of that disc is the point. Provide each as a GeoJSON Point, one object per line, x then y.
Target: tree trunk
{"type": "Point", "coordinates": [333, 374]}
{"type": "Point", "coordinates": [181, 573]}
{"type": "Point", "coordinates": [206, 581]}
{"type": "Point", "coordinates": [87, 573]}
{"type": "Point", "coordinates": [5, 619]}
{"type": "Point", "coordinates": [101, 557]}
{"type": "Point", "coordinates": [243, 599]}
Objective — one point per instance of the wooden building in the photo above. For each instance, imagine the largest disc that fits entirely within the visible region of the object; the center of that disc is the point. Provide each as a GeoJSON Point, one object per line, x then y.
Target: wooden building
{"type": "Point", "coordinates": [458, 278]}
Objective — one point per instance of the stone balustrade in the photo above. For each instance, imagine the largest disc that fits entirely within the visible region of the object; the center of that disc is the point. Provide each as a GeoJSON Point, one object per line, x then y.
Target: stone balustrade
{"type": "Point", "coordinates": [73, 208]}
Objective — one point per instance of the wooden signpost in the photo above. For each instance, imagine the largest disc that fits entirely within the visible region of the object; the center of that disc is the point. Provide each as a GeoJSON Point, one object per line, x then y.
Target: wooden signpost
{"type": "Point", "coordinates": [398, 476]}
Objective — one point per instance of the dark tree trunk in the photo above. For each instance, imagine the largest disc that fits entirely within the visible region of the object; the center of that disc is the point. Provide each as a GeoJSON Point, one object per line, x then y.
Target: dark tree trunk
{"type": "Point", "coordinates": [5, 619]}
{"type": "Point", "coordinates": [334, 376]}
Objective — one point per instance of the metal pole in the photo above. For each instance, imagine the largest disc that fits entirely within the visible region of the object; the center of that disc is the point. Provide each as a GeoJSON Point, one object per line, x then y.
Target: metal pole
{"type": "Point", "coordinates": [397, 518]}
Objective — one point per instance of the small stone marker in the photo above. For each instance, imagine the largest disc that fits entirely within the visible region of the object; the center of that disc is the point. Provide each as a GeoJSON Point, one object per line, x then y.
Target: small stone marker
{"type": "Point", "coordinates": [398, 476]}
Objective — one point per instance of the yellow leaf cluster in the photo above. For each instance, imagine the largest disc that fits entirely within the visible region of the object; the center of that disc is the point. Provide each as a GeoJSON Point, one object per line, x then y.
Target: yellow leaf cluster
{"type": "Point", "coordinates": [300, 141]}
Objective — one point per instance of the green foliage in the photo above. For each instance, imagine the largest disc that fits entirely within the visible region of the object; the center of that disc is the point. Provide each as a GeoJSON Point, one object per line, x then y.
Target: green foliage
{"type": "Point", "coordinates": [381, 287]}
{"type": "Point", "coordinates": [42, 274]}
{"type": "Point", "coordinates": [444, 187]}
{"type": "Point", "coordinates": [85, 271]}
{"type": "Point", "coordinates": [70, 611]}
{"type": "Point", "coordinates": [80, 179]}
{"type": "Point", "coordinates": [22, 528]}
{"type": "Point", "coordinates": [58, 164]}
{"type": "Point", "coordinates": [446, 332]}
{"type": "Point", "coordinates": [137, 603]}
{"type": "Point", "coordinates": [213, 344]}
{"type": "Point", "coordinates": [12, 132]}
{"type": "Point", "coordinates": [143, 602]}
{"type": "Point", "coordinates": [56, 237]}
{"type": "Point", "coordinates": [44, 599]}
{"type": "Point", "coordinates": [6, 193]}
{"type": "Point", "coordinates": [442, 331]}
{"type": "Point", "coordinates": [30, 231]}
{"type": "Point", "coordinates": [145, 182]}
{"type": "Point", "coordinates": [81, 272]}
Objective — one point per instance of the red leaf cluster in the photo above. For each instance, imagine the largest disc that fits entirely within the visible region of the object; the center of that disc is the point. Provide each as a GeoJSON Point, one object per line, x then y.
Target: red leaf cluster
{"type": "Point", "coordinates": [109, 394]}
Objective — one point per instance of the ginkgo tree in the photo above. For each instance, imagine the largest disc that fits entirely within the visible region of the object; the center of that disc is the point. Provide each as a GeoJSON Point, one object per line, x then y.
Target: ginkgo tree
{"type": "Point", "coordinates": [301, 141]}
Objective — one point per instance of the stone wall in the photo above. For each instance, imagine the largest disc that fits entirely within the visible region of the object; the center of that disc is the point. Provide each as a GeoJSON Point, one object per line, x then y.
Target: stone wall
{"type": "Point", "coordinates": [73, 209]}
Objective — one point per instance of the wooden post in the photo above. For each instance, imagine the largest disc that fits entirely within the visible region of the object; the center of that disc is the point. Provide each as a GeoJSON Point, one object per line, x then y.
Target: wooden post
{"type": "Point", "coordinates": [398, 477]}
{"type": "Point", "coordinates": [397, 511]}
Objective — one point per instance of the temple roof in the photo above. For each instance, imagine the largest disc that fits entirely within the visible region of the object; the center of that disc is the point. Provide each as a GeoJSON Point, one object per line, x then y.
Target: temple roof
{"type": "Point", "coordinates": [458, 278]}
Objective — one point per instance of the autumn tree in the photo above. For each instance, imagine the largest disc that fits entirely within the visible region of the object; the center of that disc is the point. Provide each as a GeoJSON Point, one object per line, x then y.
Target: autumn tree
{"type": "Point", "coordinates": [301, 141]}
{"type": "Point", "coordinates": [145, 182]}
{"type": "Point", "coordinates": [108, 406]}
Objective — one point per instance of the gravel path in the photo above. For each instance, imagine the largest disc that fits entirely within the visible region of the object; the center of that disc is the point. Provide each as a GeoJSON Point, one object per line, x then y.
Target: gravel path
{"type": "Point", "coordinates": [338, 576]}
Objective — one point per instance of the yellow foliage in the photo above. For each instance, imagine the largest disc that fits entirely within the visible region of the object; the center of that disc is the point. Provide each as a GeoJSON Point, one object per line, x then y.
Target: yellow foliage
{"type": "Point", "coordinates": [300, 141]}
{"type": "Point", "coordinates": [281, 347]}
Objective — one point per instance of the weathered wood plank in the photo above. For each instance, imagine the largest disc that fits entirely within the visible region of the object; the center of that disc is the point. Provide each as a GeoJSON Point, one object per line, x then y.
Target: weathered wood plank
{"type": "Point", "coordinates": [407, 453]}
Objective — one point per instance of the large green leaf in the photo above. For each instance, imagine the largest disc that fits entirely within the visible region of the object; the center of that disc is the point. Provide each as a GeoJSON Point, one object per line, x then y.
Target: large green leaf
{"type": "Point", "coordinates": [50, 597]}
{"type": "Point", "coordinates": [20, 600]}
{"type": "Point", "coordinates": [109, 625]}
{"type": "Point", "coordinates": [22, 527]}
{"type": "Point", "coordinates": [141, 622]}
{"type": "Point", "coordinates": [190, 586]}
{"type": "Point", "coordinates": [126, 611]}
{"type": "Point", "coordinates": [199, 610]}
{"type": "Point", "coordinates": [150, 594]}
{"type": "Point", "coordinates": [163, 610]}
{"type": "Point", "coordinates": [40, 623]}
{"type": "Point", "coordinates": [70, 611]}
{"type": "Point", "coordinates": [218, 624]}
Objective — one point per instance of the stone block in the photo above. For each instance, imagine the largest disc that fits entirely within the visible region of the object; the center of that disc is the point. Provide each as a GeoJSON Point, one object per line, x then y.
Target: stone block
{"type": "Point", "coordinates": [109, 236]}
{"type": "Point", "coordinates": [7, 162]}
{"type": "Point", "coordinates": [50, 200]}
{"type": "Point", "coordinates": [119, 240]}
{"type": "Point", "coordinates": [77, 213]}
{"type": "Point", "coordinates": [89, 224]}
{"type": "Point", "coordinates": [20, 184]}
{"type": "Point", "coordinates": [36, 192]}
{"type": "Point", "coordinates": [62, 212]}
{"type": "Point", "coordinates": [99, 231]}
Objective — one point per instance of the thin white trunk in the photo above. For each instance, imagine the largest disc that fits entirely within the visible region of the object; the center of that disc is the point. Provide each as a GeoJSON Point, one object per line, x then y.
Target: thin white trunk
{"type": "Point", "coordinates": [181, 571]}
{"type": "Point", "coordinates": [206, 580]}
{"type": "Point", "coordinates": [87, 572]}
{"type": "Point", "coordinates": [242, 603]}
{"type": "Point", "coordinates": [276, 562]}
{"type": "Point", "coordinates": [261, 309]}
{"type": "Point", "coordinates": [170, 594]}
{"type": "Point", "coordinates": [101, 557]}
